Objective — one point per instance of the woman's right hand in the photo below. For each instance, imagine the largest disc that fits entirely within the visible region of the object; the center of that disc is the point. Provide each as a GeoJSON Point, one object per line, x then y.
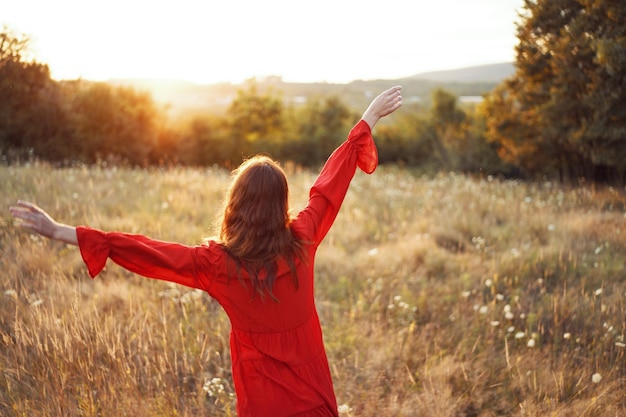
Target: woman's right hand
{"type": "Point", "coordinates": [385, 103]}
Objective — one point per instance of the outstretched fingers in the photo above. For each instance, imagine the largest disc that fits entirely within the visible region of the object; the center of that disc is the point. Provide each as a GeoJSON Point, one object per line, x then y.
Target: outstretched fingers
{"type": "Point", "coordinates": [392, 101]}
{"type": "Point", "coordinates": [25, 206]}
{"type": "Point", "coordinates": [33, 218]}
{"type": "Point", "coordinates": [24, 210]}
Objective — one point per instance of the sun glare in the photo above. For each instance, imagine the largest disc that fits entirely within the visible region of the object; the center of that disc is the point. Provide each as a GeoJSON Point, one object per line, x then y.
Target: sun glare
{"type": "Point", "coordinates": [231, 41]}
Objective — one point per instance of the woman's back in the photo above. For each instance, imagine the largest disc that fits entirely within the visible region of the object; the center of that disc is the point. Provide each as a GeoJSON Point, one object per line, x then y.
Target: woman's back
{"type": "Point", "coordinates": [276, 343]}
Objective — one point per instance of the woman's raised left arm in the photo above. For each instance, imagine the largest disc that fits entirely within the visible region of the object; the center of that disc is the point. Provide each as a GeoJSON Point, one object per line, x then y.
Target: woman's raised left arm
{"type": "Point", "coordinates": [136, 253]}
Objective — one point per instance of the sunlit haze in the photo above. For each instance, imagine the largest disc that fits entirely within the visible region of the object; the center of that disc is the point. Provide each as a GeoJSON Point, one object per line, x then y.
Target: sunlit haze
{"type": "Point", "coordinates": [208, 41]}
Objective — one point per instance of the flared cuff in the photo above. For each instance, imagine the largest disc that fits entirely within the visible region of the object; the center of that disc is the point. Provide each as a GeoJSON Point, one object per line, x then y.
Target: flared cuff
{"type": "Point", "coordinates": [367, 154]}
{"type": "Point", "coordinates": [94, 249]}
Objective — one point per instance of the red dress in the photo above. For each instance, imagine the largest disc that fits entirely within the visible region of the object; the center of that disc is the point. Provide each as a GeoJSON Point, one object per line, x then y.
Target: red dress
{"type": "Point", "coordinates": [278, 359]}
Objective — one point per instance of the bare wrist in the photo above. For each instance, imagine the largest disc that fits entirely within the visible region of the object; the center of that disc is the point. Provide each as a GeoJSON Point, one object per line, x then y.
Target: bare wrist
{"type": "Point", "coordinates": [370, 119]}
{"type": "Point", "coordinates": [65, 233]}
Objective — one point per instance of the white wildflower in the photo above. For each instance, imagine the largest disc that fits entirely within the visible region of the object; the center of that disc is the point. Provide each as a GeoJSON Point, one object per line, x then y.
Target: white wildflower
{"type": "Point", "coordinates": [620, 344]}
{"type": "Point", "coordinates": [344, 409]}
{"type": "Point", "coordinates": [488, 282]}
{"type": "Point", "coordinates": [465, 294]}
{"type": "Point", "coordinates": [567, 336]}
{"type": "Point", "coordinates": [495, 323]}
{"type": "Point", "coordinates": [508, 315]}
{"type": "Point", "coordinates": [520, 335]}
{"type": "Point", "coordinates": [479, 242]}
{"type": "Point", "coordinates": [372, 252]}
{"type": "Point", "coordinates": [595, 378]}
{"type": "Point", "coordinates": [499, 297]}
{"type": "Point", "coordinates": [483, 310]}
{"type": "Point", "coordinates": [598, 291]}
{"type": "Point", "coordinates": [213, 387]}
{"type": "Point", "coordinates": [531, 343]}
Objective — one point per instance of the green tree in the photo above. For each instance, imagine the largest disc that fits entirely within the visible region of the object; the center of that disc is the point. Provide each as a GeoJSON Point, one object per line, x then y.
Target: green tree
{"type": "Point", "coordinates": [446, 127]}
{"type": "Point", "coordinates": [475, 154]}
{"type": "Point", "coordinates": [563, 112]}
{"type": "Point", "coordinates": [407, 141]}
{"type": "Point", "coordinates": [203, 140]}
{"type": "Point", "coordinates": [320, 127]}
{"type": "Point", "coordinates": [256, 121]}
{"type": "Point", "coordinates": [112, 122]}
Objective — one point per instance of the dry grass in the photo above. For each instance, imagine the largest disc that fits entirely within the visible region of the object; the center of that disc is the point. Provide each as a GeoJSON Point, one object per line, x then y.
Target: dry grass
{"type": "Point", "coordinates": [441, 296]}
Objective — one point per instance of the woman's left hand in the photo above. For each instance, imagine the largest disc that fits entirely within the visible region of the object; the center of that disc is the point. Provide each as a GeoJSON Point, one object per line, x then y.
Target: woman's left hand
{"type": "Point", "coordinates": [35, 219]}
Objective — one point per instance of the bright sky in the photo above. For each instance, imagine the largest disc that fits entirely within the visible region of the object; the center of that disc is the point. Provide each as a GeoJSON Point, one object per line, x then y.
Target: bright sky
{"type": "Point", "coordinates": [209, 41]}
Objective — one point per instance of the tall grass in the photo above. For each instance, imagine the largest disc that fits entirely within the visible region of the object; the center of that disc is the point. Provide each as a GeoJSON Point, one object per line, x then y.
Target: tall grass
{"type": "Point", "coordinates": [444, 296]}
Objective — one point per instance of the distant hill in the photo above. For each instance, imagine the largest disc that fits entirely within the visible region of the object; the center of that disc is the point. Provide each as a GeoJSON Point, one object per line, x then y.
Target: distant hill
{"type": "Point", "coordinates": [482, 73]}
{"type": "Point", "coordinates": [182, 96]}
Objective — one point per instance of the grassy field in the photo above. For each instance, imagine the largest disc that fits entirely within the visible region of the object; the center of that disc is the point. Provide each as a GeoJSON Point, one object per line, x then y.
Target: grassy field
{"type": "Point", "coordinates": [443, 296]}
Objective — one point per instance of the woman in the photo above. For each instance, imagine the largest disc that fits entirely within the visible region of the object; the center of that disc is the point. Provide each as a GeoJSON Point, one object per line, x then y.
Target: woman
{"type": "Point", "coordinates": [260, 270]}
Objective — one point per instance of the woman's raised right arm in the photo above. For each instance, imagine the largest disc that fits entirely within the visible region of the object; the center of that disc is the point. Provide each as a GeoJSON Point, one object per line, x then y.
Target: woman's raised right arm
{"type": "Point", "coordinates": [330, 187]}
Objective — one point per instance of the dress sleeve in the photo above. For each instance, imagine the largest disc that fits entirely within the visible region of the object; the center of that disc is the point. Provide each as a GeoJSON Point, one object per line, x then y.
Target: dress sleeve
{"type": "Point", "coordinates": [330, 187]}
{"type": "Point", "coordinates": [139, 254]}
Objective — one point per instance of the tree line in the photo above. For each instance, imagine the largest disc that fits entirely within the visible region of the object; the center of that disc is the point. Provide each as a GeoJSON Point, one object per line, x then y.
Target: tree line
{"type": "Point", "coordinates": [561, 115]}
{"type": "Point", "coordinates": [82, 121]}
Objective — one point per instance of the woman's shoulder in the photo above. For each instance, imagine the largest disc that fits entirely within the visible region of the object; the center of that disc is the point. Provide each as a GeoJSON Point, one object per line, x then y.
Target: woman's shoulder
{"type": "Point", "coordinates": [212, 251]}
{"type": "Point", "coordinates": [301, 227]}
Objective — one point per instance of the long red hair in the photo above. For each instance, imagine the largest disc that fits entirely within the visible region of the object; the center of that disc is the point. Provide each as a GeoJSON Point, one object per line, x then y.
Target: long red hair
{"type": "Point", "coordinates": [254, 227]}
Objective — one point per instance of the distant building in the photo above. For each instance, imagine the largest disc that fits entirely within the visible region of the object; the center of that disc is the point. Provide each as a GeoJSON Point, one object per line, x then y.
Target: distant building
{"type": "Point", "coordinates": [470, 99]}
